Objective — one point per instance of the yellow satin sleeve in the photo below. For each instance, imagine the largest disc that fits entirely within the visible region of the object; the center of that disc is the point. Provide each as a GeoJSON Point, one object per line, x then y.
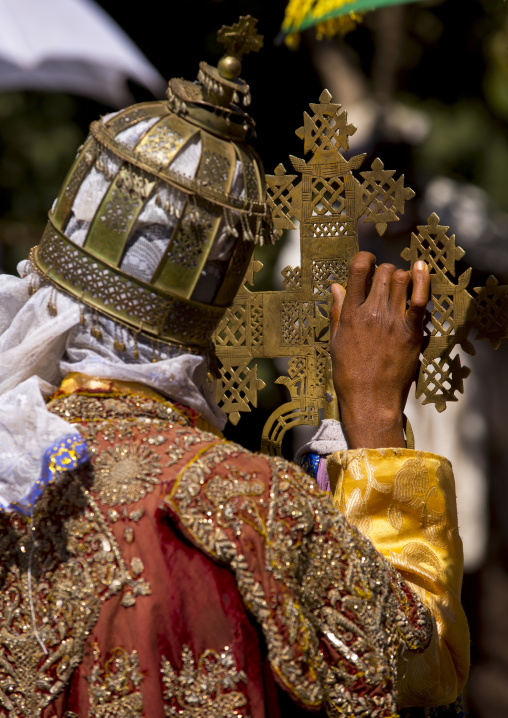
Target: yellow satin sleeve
{"type": "Point", "coordinates": [404, 501]}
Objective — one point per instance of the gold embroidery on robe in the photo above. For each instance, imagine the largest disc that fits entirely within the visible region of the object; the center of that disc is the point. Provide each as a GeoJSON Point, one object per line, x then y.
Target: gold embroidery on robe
{"type": "Point", "coordinates": [113, 687]}
{"type": "Point", "coordinates": [205, 689]}
{"type": "Point", "coordinates": [183, 442]}
{"type": "Point", "coordinates": [332, 585]}
{"type": "Point", "coordinates": [126, 473]}
{"type": "Point", "coordinates": [76, 566]}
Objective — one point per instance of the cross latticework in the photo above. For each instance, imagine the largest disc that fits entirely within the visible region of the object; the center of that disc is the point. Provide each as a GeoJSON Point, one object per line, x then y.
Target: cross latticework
{"type": "Point", "coordinates": [328, 200]}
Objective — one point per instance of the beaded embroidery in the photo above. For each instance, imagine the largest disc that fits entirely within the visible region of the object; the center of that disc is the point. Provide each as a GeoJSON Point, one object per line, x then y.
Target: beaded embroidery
{"type": "Point", "coordinates": [76, 563]}
{"type": "Point", "coordinates": [205, 688]}
{"type": "Point", "coordinates": [76, 566]}
{"type": "Point", "coordinates": [113, 688]}
{"type": "Point", "coordinates": [328, 593]}
{"type": "Point", "coordinates": [126, 473]}
{"type": "Point", "coordinates": [332, 611]}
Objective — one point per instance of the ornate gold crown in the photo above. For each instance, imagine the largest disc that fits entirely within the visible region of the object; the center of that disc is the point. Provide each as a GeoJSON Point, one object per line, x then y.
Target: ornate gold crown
{"type": "Point", "coordinates": [212, 205]}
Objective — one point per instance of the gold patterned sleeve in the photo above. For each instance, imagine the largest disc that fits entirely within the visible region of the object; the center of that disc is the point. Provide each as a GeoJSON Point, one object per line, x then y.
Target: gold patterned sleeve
{"type": "Point", "coordinates": [404, 501]}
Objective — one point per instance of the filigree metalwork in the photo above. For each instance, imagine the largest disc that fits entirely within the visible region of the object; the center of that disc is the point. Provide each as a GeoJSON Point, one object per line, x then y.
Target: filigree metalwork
{"type": "Point", "coordinates": [328, 201]}
{"type": "Point", "coordinates": [149, 170]}
{"type": "Point", "coordinates": [453, 314]}
{"type": "Point", "coordinates": [238, 387]}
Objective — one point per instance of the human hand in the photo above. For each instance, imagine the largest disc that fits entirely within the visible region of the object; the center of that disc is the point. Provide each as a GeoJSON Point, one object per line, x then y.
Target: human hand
{"type": "Point", "coordinates": [375, 345]}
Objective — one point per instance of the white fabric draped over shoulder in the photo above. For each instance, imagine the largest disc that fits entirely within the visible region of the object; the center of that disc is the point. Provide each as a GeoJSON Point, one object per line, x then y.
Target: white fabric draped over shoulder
{"type": "Point", "coordinates": [38, 349]}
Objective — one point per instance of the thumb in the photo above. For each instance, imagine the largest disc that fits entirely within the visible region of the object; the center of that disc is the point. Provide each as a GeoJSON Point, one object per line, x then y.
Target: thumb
{"type": "Point", "coordinates": [338, 294]}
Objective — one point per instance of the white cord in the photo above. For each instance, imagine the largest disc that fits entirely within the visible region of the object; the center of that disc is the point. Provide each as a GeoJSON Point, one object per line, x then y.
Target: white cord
{"type": "Point", "coordinates": [30, 596]}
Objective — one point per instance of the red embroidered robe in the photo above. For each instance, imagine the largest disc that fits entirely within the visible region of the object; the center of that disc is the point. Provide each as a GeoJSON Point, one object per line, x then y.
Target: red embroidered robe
{"type": "Point", "coordinates": [181, 575]}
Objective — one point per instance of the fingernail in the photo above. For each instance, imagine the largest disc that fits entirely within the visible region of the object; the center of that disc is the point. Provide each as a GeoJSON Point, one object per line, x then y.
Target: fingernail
{"type": "Point", "coordinates": [420, 265]}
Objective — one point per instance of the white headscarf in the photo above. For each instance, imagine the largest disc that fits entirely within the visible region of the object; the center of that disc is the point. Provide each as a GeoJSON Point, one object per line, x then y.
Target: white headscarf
{"type": "Point", "coordinates": [37, 350]}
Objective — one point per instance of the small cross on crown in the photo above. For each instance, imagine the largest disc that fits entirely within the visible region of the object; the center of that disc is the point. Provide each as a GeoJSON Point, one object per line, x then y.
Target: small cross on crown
{"type": "Point", "coordinates": [241, 38]}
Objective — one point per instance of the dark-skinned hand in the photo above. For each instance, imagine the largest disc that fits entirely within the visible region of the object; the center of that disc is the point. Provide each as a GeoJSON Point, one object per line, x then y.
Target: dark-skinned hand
{"type": "Point", "coordinates": [375, 345]}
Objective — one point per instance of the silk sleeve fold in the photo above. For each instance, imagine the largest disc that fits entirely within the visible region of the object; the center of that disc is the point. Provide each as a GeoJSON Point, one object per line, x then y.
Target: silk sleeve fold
{"type": "Point", "coordinates": [404, 502]}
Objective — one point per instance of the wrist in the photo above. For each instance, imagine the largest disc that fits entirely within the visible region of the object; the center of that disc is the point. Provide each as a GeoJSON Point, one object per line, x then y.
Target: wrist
{"type": "Point", "coordinates": [372, 427]}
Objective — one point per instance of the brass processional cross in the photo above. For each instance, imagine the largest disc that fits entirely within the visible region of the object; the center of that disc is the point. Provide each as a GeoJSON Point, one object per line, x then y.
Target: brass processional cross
{"type": "Point", "coordinates": [328, 195]}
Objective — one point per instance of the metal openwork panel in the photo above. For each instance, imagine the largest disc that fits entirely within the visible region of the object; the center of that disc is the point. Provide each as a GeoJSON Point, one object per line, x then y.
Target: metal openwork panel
{"type": "Point", "coordinates": [328, 195]}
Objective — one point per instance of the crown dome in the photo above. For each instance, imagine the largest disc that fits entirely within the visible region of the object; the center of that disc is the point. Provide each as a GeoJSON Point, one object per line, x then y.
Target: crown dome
{"type": "Point", "coordinates": [158, 217]}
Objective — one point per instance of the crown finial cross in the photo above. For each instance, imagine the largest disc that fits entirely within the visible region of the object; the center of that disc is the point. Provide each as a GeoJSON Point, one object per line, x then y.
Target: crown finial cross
{"type": "Point", "coordinates": [240, 38]}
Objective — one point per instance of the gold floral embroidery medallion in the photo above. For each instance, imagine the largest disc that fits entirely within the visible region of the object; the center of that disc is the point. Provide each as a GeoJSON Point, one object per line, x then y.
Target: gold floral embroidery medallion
{"type": "Point", "coordinates": [126, 473]}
